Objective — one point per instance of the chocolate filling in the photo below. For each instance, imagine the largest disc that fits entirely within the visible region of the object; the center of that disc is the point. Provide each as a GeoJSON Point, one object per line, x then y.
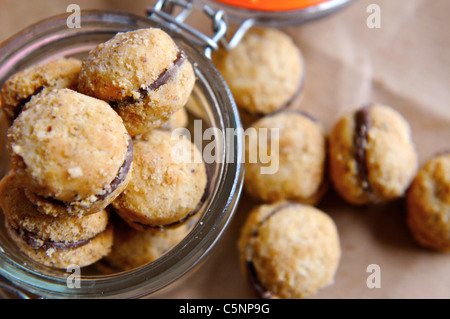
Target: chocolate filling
{"type": "Point", "coordinates": [180, 221]}
{"type": "Point", "coordinates": [363, 122]}
{"type": "Point", "coordinates": [122, 174]}
{"type": "Point", "coordinates": [21, 103]}
{"type": "Point", "coordinates": [253, 279]}
{"type": "Point", "coordinates": [276, 210]}
{"type": "Point", "coordinates": [163, 78]}
{"type": "Point", "coordinates": [117, 181]}
{"type": "Point", "coordinates": [35, 242]}
{"type": "Point", "coordinates": [261, 291]}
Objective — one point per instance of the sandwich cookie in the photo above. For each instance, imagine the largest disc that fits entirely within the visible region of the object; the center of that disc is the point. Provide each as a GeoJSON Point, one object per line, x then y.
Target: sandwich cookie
{"type": "Point", "coordinates": [71, 152]}
{"type": "Point", "coordinates": [428, 204]}
{"type": "Point", "coordinates": [168, 182]}
{"type": "Point", "coordinates": [289, 250]}
{"type": "Point", "coordinates": [296, 169]}
{"type": "Point", "coordinates": [19, 88]}
{"type": "Point", "coordinates": [265, 72]}
{"type": "Point", "coordinates": [53, 241]}
{"type": "Point", "coordinates": [372, 155]}
{"type": "Point", "coordinates": [142, 74]}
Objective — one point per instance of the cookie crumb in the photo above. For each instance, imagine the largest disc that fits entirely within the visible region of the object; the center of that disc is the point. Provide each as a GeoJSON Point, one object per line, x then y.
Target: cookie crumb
{"type": "Point", "coordinates": [75, 172]}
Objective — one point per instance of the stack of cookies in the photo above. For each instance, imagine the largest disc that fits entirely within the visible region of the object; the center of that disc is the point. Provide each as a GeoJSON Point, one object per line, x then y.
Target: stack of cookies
{"type": "Point", "coordinates": [91, 139]}
{"type": "Point", "coordinates": [288, 247]}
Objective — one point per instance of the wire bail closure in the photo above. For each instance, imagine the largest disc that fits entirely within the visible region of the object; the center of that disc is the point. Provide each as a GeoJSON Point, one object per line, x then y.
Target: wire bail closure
{"type": "Point", "coordinates": [164, 11]}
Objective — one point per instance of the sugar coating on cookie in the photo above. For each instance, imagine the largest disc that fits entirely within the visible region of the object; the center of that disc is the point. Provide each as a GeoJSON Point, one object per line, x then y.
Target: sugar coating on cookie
{"type": "Point", "coordinates": [168, 181]}
{"type": "Point", "coordinates": [289, 250]}
{"type": "Point", "coordinates": [264, 72]}
{"type": "Point", "coordinates": [428, 204]}
{"type": "Point", "coordinates": [299, 163]}
{"type": "Point", "coordinates": [53, 241]}
{"type": "Point", "coordinates": [20, 87]}
{"type": "Point", "coordinates": [142, 74]}
{"type": "Point", "coordinates": [70, 148]}
{"type": "Point", "coordinates": [372, 155]}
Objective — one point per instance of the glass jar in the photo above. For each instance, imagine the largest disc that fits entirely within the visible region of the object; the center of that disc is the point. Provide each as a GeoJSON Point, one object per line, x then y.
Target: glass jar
{"type": "Point", "coordinates": [211, 102]}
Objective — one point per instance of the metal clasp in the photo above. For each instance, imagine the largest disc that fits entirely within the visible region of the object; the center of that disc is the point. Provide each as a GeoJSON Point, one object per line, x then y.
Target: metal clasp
{"type": "Point", "coordinates": [165, 12]}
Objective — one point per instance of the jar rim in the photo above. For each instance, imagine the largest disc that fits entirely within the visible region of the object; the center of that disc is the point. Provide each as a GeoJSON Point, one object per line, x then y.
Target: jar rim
{"type": "Point", "coordinates": [287, 14]}
{"type": "Point", "coordinates": [272, 5]}
{"type": "Point", "coordinates": [181, 259]}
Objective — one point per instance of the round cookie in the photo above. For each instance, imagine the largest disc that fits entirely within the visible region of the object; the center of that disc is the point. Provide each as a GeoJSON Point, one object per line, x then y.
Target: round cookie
{"type": "Point", "coordinates": [265, 71]}
{"type": "Point", "coordinates": [53, 241]}
{"type": "Point", "coordinates": [168, 182]}
{"type": "Point", "coordinates": [296, 169]}
{"type": "Point", "coordinates": [20, 87]}
{"type": "Point", "coordinates": [428, 204]}
{"type": "Point", "coordinates": [372, 155]}
{"type": "Point", "coordinates": [71, 152]}
{"type": "Point", "coordinates": [133, 248]}
{"type": "Point", "coordinates": [142, 74]}
{"type": "Point", "coordinates": [289, 250]}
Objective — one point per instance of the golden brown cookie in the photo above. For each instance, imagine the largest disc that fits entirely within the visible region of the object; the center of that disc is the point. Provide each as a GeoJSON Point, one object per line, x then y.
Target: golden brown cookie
{"type": "Point", "coordinates": [167, 184]}
{"type": "Point", "coordinates": [265, 71]}
{"type": "Point", "coordinates": [133, 248]}
{"type": "Point", "coordinates": [53, 241]}
{"type": "Point", "coordinates": [289, 250]}
{"type": "Point", "coordinates": [295, 170]}
{"type": "Point", "coordinates": [142, 74]}
{"type": "Point", "coordinates": [20, 87]}
{"type": "Point", "coordinates": [428, 204]}
{"type": "Point", "coordinates": [372, 155]}
{"type": "Point", "coordinates": [71, 152]}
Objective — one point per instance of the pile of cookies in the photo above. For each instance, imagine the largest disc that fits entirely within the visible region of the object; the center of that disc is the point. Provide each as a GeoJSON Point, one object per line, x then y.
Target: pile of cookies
{"type": "Point", "coordinates": [92, 174]}
{"type": "Point", "coordinates": [90, 148]}
{"type": "Point", "coordinates": [288, 247]}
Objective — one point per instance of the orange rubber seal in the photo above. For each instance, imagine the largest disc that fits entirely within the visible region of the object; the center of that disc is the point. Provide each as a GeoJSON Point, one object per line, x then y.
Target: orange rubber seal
{"type": "Point", "coordinates": [272, 5]}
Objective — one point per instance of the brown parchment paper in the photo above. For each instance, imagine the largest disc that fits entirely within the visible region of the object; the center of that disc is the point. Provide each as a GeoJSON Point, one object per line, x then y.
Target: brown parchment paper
{"type": "Point", "coordinates": [404, 64]}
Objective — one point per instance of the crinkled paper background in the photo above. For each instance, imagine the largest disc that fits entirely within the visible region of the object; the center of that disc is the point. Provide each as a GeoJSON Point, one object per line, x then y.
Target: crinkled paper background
{"type": "Point", "coordinates": [404, 64]}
